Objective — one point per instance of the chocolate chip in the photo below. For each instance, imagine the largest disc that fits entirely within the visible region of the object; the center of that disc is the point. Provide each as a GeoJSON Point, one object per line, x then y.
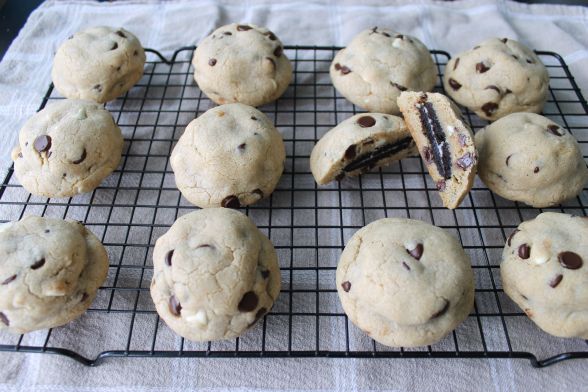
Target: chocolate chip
{"type": "Point", "coordinates": [536, 169]}
{"type": "Point", "coordinates": [507, 159]}
{"type": "Point", "coordinates": [405, 266]}
{"type": "Point", "coordinates": [417, 252]}
{"type": "Point", "coordinates": [20, 154]}
{"type": "Point", "coordinates": [456, 63]}
{"type": "Point", "coordinates": [441, 311]}
{"type": "Point", "coordinates": [465, 161]}
{"type": "Point", "coordinates": [454, 84]}
{"type": "Point", "coordinates": [493, 87]}
{"type": "Point", "coordinates": [399, 36]}
{"type": "Point", "coordinates": [243, 28]}
{"type": "Point", "coordinates": [555, 281]}
{"type": "Point", "coordinates": [174, 306]}
{"type": "Point", "coordinates": [524, 251]}
{"type": "Point", "coordinates": [554, 129]}
{"type": "Point", "coordinates": [254, 118]}
{"type": "Point", "coordinates": [271, 35]}
{"type": "Point", "coordinates": [118, 69]}
{"type": "Point", "coordinates": [385, 34]}
{"type": "Point", "coordinates": [114, 46]}
{"type": "Point", "coordinates": [9, 279]}
{"type": "Point", "coordinates": [398, 86]}
{"type": "Point", "coordinates": [481, 67]}
{"type": "Point", "coordinates": [278, 52]}
{"type": "Point", "coordinates": [507, 91]}
{"type": "Point", "coordinates": [121, 34]}
{"type": "Point", "coordinates": [477, 47]}
{"type": "Point", "coordinates": [98, 88]}
{"type": "Point", "coordinates": [136, 53]}
{"type": "Point", "coordinates": [265, 274]}
{"type": "Point", "coordinates": [504, 40]}
{"type": "Point", "coordinates": [374, 30]}
{"type": "Point", "coordinates": [168, 257]}
{"type": "Point", "coordinates": [47, 231]}
{"type": "Point", "coordinates": [42, 143]}
{"type": "Point", "coordinates": [4, 319]}
{"type": "Point", "coordinates": [570, 260]}
{"type": "Point", "coordinates": [248, 302]}
{"type": "Point", "coordinates": [346, 286]}
{"type": "Point", "coordinates": [440, 185]}
{"type": "Point", "coordinates": [231, 201]}
{"type": "Point", "coordinates": [529, 61]}
{"type": "Point", "coordinates": [510, 237]}
{"type": "Point", "coordinates": [204, 246]}
{"type": "Point", "coordinates": [85, 296]}
{"type": "Point", "coordinates": [366, 121]}
{"type": "Point", "coordinates": [489, 108]}
{"type": "Point", "coordinates": [38, 264]}
{"type": "Point", "coordinates": [242, 146]}
{"type": "Point", "coordinates": [227, 33]}
{"type": "Point", "coordinates": [514, 56]}
{"type": "Point", "coordinates": [342, 68]}
{"type": "Point", "coordinates": [427, 154]}
{"type": "Point", "coordinates": [80, 159]}
{"type": "Point", "coordinates": [212, 62]}
{"type": "Point", "coordinates": [350, 152]}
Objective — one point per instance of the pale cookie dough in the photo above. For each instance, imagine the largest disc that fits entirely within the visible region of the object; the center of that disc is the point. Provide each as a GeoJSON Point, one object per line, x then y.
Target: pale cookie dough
{"type": "Point", "coordinates": [527, 157]}
{"type": "Point", "coordinates": [67, 148]}
{"type": "Point", "coordinates": [50, 270]}
{"type": "Point", "coordinates": [359, 144]}
{"type": "Point", "coordinates": [496, 78]}
{"type": "Point", "coordinates": [405, 282]}
{"type": "Point", "coordinates": [544, 272]}
{"type": "Point", "coordinates": [445, 142]}
{"type": "Point", "coordinates": [242, 63]}
{"type": "Point", "coordinates": [215, 274]}
{"type": "Point", "coordinates": [98, 64]}
{"type": "Point", "coordinates": [230, 156]}
{"type": "Point", "coordinates": [378, 65]}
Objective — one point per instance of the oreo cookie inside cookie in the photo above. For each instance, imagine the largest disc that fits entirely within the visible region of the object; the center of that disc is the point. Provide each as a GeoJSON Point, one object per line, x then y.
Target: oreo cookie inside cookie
{"type": "Point", "coordinates": [436, 138]}
{"type": "Point", "coordinates": [371, 158]}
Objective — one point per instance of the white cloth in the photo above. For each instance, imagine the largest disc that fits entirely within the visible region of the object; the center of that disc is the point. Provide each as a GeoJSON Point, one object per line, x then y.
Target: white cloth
{"type": "Point", "coordinates": [166, 26]}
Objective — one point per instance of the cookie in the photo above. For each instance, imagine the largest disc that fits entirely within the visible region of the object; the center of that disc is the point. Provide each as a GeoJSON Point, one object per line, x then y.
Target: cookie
{"type": "Point", "coordinates": [215, 274]}
{"type": "Point", "coordinates": [445, 142]}
{"type": "Point", "coordinates": [496, 78]}
{"type": "Point", "coordinates": [359, 144]}
{"type": "Point", "coordinates": [242, 63]}
{"type": "Point", "coordinates": [230, 156]}
{"type": "Point", "coordinates": [378, 65]}
{"type": "Point", "coordinates": [405, 282]}
{"type": "Point", "coordinates": [67, 148]}
{"type": "Point", "coordinates": [544, 271]}
{"type": "Point", "coordinates": [527, 157]}
{"type": "Point", "coordinates": [50, 270]}
{"type": "Point", "coordinates": [98, 64]}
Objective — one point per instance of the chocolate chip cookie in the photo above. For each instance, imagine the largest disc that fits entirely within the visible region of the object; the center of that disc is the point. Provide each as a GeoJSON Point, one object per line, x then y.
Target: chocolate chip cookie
{"type": "Point", "coordinates": [50, 270]}
{"type": "Point", "coordinates": [496, 78]}
{"type": "Point", "coordinates": [215, 274]}
{"type": "Point", "coordinates": [544, 272]}
{"type": "Point", "coordinates": [242, 63]}
{"type": "Point", "coordinates": [98, 64]}
{"type": "Point", "coordinates": [527, 157]}
{"type": "Point", "coordinates": [378, 65]}
{"type": "Point", "coordinates": [405, 282]}
{"type": "Point", "coordinates": [359, 144]}
{"type": "Point", "coordinates": [67, 148]}
{"type": "Point", "coordinates": [230, 156]}
{"type": "Point", "coordinates": [445, 142]}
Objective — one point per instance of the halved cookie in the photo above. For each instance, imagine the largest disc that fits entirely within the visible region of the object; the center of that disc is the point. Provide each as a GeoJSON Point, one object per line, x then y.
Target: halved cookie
{"type": "Point", "coordinates": [445, 142]}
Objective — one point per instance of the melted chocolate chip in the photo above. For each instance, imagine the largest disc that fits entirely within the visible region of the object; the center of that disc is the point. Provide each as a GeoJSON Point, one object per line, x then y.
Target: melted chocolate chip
{"type": "Point", "coordinates": [454, 84]}
{"type": "Point", "coordinates": [231, 201]}
{"type": "Point", "coordinates": [278, 52]}
{"type": "Point", "coordinates": [370, 159]}
{"type": "Point", "coordinates": [9, 279]}
{"type": "Point", "coordinates": [524, 251]}
{"type": "Point", "coordinates": [556, 280]}
{"type": "Point", "coordinates": [481, 67]}
{"type": "Point", "coordinates": [42, 143]}
{"type": "Point", "coordinates": [417, 252]}
{"type": "Point", "coordinates": [456, 63]}
{"type": "Point", "coordinates": [465, 161]}
{"type": "Point", "coordinates": [342, 68]}
{"type": "Point", "coordinates": [265, 274]}
{"type": "Point", "coordinates": [555, 130]}
{"type": "Point", "coordinates": [121, 34]}
{"type": "Point", "coordinates": [366, 121]}
{"type": "Point", "coordinates": [536, 169]}
{"type": "Point", "coordinates": [80, 159]}
{"type": "Point", "coordinates": [243, 28]}
{"type": "Point", "coordinates": [405, 266]}
{"type": "Point", "coordinates": [489, 108]}
{"type": "Point", "coordinates": [570, 260]}
{"type": "Point", "coordinates": [510, 237]}
{"type": "Point", "coordinates": [114, 46]}
{"type": "Point", "coordinates": [346, 286]}
{"type": "Point", "coordinates": [4, 319]}
{"type": "Point", "coordinates": [248, 302]}
{"type": "Point", "coordinates": [174, 306]}
{"type": "Point", "coordinates": [212, 62]}
{"type": "Point", "coordinates": [440, 185]}
{"type": "Point", "coordinates": [38, 264]}
{"type": "Point", "coordinates": [493, 87]}
{"type": "Point", "coordinates": [350, 152]}
{"type": "Point", "coordinates": [436, 138]}
{"type": "Point", "coordinates": [398, 86]}
{"type": "Point", "coordinates": [168, 258]}
{"type": "Point", "coordinates": [441, 311]}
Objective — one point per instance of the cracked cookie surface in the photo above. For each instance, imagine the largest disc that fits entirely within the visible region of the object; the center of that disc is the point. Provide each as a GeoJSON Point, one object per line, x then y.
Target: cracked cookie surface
{"type": "Point", "coordinates": [242, 63]}
{"type": "Point", "coordinates": [67, 148]}
{"type": "Point", "coordinates": [98, 64]}
{"type": "Point", "coordinates": [359, 144]}
{"type": "Point", "coordinates": [496, 78]}
{"type": "Point", "coordinates": [544, 271]}
{"type": "Point", "coordinates": [529, 158]}
{"type": "Point", "coordinates": [230, 156]}
{"type": "Point", "coordinates": [215, 274]}
{"type": "Point", "coordinates": [405, 282]}
{"type": "Point", "coordinates": [50, 270]}
{"type": "Point", "coordinates": [377, 65]}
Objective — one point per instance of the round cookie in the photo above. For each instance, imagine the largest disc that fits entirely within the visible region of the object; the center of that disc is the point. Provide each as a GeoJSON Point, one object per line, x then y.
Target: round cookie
{"type": "Point", "coordinates": [67, 148]}
{"type": "Point", "coordinates": [242, 63]}
{"type": "Point", "coordinates": [527, 157]}
{"type": "Point", "coordinates": [496, 78]}
{"type": "Point", "coordinates": [230, 156]}
{"type": "Point", "coordinates": [405, 282]}
{"type": "Point", "coordinates": [98, 64]}
{"type": "Point", "coordinates": [215, 274]}
{"type": "Point", "coordinates": [378, 65]}
{"type": "Point", "coordinates": [544, 271]}
{"type": "Point", "coordinates": [50, 270]}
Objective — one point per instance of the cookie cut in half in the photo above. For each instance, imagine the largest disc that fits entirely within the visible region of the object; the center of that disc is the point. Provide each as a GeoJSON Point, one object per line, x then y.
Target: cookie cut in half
{"type": "Point", "coordinates": [359, 144]}
{"type": "Point", "coordinates": [445, 142]}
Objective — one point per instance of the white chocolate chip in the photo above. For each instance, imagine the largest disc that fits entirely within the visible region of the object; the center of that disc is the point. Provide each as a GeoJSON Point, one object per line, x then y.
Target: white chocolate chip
{"type": "Point", "coordinates": [410, 244]}
{"type": "Point", "coordinates": [396, 42]}
{"type": "Point", "coordinates": [199, 317]}
{"type": "Point", "coordinates": [539, 255]}
{"type": "Point", "coordinates": [450, 129]}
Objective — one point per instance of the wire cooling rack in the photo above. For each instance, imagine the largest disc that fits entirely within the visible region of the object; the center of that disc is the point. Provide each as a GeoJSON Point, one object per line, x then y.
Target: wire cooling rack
{"type": "Point", "coordinates": [308, 225]}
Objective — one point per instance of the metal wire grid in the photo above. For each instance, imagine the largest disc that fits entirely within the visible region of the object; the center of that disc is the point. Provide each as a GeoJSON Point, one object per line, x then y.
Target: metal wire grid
{"type": "Point", "coordinates": [307, 224]}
